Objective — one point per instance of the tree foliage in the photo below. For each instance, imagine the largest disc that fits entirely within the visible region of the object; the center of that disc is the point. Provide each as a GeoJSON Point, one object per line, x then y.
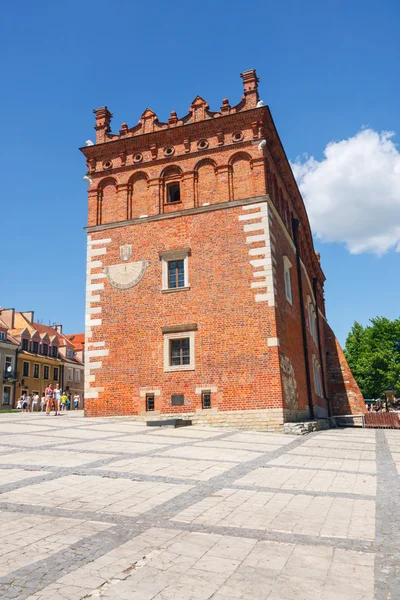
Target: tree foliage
{"type": "Point", "coordinates": [373, 354]}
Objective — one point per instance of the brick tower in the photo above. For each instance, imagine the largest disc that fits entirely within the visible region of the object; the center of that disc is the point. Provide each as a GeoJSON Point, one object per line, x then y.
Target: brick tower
{"type": "Point", "coordinates": [204, 292]}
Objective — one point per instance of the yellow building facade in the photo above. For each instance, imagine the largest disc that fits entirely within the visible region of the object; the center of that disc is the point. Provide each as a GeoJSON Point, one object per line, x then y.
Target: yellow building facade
{"type": "Point", "coordinates": [35, 372]}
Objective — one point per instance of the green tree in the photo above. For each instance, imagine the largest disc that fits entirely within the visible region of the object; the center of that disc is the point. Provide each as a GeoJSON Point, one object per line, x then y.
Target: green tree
{"type": "Point", "coordinates": [373, 354]}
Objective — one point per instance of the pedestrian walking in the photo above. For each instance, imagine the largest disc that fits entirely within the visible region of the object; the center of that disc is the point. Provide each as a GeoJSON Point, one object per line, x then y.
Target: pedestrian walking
{"type": "Point", "coordinates": [24, 402]}
{"type": "Point", "coordinates": [49, 398]}
{"type": "Point", "coordinates": [43, 402]}
{"type": "Point", "coordinates": [35, 401]}
{"type": "Point", "coordinates": [64, 400]}
{"type": "Point", "coordinates": [57, 400]}
{"type": "Point", "coordinates": [76, 401]}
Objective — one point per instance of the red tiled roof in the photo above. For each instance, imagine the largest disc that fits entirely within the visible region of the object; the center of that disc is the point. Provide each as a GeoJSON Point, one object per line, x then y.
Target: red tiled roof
{"type": "Point", "coordinates": [77, 339]}
{"type": "Point", "coordinates": [62, 339]}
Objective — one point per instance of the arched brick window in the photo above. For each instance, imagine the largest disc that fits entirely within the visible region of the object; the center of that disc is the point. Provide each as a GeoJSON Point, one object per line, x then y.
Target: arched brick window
{"type": "Point", "coordinates": [241, 176]}
{"type": "Point", "coordinates": [139, 201]}
{"type": "Point", "coordinates": [171, 185]}
{"type": "Point", "coordinates": [206, 182]}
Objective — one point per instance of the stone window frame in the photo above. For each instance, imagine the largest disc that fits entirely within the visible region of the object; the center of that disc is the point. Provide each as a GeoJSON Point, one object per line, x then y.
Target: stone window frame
{"type": "Point", "coordinates": [77, 376]}
{"type": "Point", "coordinates": [317, 377]}
{"type": "Point", "coordinates": [181, 333]}
{"type": "Point", "coordinates": [70, 374]}
{"type": "Point", "coordinates": [168, 256]}
{"type": "Point", "coordinates": [36, 370]}
{"type": "Point", "coordinates": [46, 372]}
{"type": "Point", "coordinates": [287, 265]}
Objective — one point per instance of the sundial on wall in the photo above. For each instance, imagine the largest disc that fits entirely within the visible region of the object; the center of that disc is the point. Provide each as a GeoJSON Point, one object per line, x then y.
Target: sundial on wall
{"type": "Point", "coordinates": [125, 275]}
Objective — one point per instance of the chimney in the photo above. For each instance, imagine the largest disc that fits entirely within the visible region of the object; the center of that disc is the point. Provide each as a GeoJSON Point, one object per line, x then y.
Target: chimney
{"type": "Point", "coordinates": [58, 328]}
{"type": "Point", "coordinates": [29, 315]}
{"type": "Point", "coordinates": [250, 84]}
{"type": "Point", "coordinates": [103, 120]}
{"type": "Point", "coordinates": [7, 315]}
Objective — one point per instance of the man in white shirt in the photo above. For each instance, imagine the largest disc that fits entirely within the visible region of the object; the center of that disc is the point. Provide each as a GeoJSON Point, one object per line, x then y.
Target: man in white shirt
{"type": "Point", "coordinates": [35, 401]}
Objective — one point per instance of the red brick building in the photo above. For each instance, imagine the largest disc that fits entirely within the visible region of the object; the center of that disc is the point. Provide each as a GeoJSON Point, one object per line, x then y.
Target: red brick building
{"type": "Point", "coordinates": [204, 292]}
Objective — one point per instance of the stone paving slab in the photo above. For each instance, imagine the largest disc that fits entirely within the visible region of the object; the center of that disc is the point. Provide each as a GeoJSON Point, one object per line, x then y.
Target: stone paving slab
{"type": "Point", "coordinates": [200, 470]}
{"type": "Point", "coordinates": [80, 493]}
{"type": "Point", "coordinates": [318, 462]}
{"type": "Point", "coordinates": [311, 480]}
{"type": "Point", "coordinates": [51, 457]}
{"type": "Point", "coordinates": [111, 509]}
{"type": "Point", "coordinates": [14, 475]}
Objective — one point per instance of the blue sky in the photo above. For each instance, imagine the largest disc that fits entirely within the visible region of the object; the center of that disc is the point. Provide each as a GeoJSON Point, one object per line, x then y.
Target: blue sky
{"type": "Point", "coordinates": [327, 69]}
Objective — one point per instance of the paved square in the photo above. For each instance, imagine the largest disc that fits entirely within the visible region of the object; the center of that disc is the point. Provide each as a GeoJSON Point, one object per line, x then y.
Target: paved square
{"type": "Point", "coordinates": [111, 509]}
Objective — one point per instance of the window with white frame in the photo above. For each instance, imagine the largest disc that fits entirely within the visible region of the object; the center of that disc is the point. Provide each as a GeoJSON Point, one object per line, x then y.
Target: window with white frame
{"type": "Point", "coordinates": [70, 374]}
{"type": "Point", "coordinates": [175, 269]}
{"type": "Point", "coordinates": [317, 377]}
{"type": "Point", "coordinates": [287, 265]}
{"type": "Point", "coordinates": [179, 351]}
{"type": "Point", "coordinates": [312, 319]}
{"type": "Point", "coordinates": [2, 335]}
{"type": "Point", "coordinates": [77, 375]}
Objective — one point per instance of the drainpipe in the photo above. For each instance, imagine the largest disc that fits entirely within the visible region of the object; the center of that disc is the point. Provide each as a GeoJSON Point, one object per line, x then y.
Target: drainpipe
{"type": "Point", "coordinates": [295, 228]}
{"type": "Point", "coordinates": [328, 403]}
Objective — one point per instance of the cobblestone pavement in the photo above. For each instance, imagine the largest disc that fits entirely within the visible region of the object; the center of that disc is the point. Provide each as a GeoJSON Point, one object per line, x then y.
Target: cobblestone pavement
{"type": "Point", "coordinates": [110, 509]}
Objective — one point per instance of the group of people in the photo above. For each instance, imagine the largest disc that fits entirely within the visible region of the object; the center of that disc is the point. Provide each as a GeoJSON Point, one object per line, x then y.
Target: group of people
{"type": "Point", "coordinates": [51, 399]}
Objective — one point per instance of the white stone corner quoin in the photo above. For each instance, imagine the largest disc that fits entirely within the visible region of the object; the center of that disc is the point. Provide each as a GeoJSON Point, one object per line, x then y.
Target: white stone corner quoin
{"type": "Point", "coordinates": [257, 219]}
{"type": "Point", "coordinates": [94, 286]}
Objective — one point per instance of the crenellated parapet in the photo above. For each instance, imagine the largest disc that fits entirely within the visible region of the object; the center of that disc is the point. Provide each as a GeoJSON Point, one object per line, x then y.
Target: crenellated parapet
{"type": "Point", "coordinates": [198, 111]}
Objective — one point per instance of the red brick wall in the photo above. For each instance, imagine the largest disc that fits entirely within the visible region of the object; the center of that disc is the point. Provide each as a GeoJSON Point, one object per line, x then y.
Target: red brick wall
{"type": "Point", "coordinates": [344, 392]}
{"type": "Point", "coordinates": [231, 349]}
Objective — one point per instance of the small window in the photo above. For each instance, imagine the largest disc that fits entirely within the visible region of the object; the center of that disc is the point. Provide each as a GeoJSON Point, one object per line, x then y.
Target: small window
{"type": "Point", "coordinates": [35, 347]}
{"type": "Point", "coordinates": [45, 349]}
{"type": "Point", "coordinates": [46, 372]}
{"type": "Point", "coordinates": [176, 274]}
{"type": "Point", "coordinates": [54, 351]}
{"type": "Point", "coordinates": [180, 352]}
{"type": "Point", "coordinates": [202, 144]}
{"type": "Point", "coordinates": [173, 193]}
{"type": "Point", "coordinates": [206, 399]}
{"type": "Point", "coordinates": [6, 394]}
{"type": "Point", "coordinates": [55, 373]}
{"type": "Point", "coordinates": [25, 369]}
{"type": "Point", "coordinates": [2, 335]}
{"type": "Point", "coordinates": [77, 375]}
{"type": "Point", "coordinates": [36, 371]}
{"type": "Point", "coordinates": [70, 374]}
{"type": "Point", "coordinates": [288, 282]}
{"type": "Point", "coordinates": [149, 402]}
{"type": "Point", "coordinates": [25, 344]}
{"type": "Point", "coordinates": [70, 353]}
{"type": "Point", "coordinates": [8, 364]}
{"type": "Point", "coordinates": [175, 269]}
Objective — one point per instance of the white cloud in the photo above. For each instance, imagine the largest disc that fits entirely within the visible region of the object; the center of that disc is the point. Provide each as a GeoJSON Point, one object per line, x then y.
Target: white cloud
{"type": "Point", "coordinates": [353, 194]}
